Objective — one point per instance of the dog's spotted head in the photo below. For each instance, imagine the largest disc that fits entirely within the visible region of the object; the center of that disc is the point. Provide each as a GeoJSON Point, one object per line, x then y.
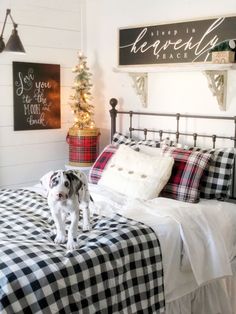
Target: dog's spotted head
{"type": "Point", "coordinates": [62, 185]}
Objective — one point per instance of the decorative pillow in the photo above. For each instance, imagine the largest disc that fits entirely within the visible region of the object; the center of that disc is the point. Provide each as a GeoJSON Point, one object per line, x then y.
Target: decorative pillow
{"type": "Point", "coordinates": [101, 162]}
{"type": "Point", "coordinates": [119, 138]}
{"type": "Point", "coordinates": [150, 143]}
{"type": "Point", "coordinates": [216, 180]}
{"type": "Point", "coordinates": [151, 151]}
{"type": "Point", "coordinates": [136, 174]}
{"type": "Point", "coordinates": [186, 174]}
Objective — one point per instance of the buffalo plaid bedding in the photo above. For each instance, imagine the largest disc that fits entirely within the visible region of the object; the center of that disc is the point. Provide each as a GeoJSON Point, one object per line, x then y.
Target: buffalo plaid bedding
{"type": "Point", "coordinates": [117, 267]}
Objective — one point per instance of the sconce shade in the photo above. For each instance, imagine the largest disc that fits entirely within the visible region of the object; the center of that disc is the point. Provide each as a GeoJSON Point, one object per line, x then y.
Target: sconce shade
{"type": "Point", "coordinates": [2, 44]}
{"type": "Point", "coordinates": [14, 43]}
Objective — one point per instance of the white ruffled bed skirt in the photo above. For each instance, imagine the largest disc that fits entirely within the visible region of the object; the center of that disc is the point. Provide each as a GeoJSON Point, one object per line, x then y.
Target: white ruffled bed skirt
{"type": "Point", "coordinates": [216, 297]}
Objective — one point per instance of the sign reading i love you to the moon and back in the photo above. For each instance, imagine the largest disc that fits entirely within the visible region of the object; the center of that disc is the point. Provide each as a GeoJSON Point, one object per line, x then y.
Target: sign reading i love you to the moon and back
{"type": "Point", "coordinates": [36, 89]}
{"type": "Point", "coordinates": [174, 43]}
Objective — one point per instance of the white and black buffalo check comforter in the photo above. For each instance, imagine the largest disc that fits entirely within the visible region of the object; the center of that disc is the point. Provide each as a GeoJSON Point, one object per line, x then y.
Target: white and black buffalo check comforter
{"type": "Point", "coordinates": [117, 267]}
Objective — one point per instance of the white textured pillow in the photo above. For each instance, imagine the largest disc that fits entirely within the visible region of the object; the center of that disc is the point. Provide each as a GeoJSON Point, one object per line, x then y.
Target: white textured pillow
{"type": "Point", "coordinates": [151, 151]}
{"type": "Point", "coordinates": [136, 174]}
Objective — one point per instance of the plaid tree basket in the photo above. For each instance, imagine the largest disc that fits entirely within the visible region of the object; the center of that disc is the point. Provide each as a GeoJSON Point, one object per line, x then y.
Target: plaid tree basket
{"type": "Point", "coordinates": [83, 146]}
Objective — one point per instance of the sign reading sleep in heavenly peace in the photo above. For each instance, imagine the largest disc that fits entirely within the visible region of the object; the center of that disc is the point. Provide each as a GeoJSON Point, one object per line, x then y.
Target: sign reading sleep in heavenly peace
{"type": "Point", "coordinates": [36, 89]}
{"type": "Point", "coordinates": [174, 43]}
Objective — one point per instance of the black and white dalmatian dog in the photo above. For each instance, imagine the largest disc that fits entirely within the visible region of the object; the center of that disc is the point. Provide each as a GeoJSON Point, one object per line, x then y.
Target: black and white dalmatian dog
{"type": "Point", "coordinates": [67, 194]}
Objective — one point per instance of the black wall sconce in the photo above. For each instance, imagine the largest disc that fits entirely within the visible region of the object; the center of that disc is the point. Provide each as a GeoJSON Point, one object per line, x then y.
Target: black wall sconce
{"type": "Point", "coordinates": [14, 43]}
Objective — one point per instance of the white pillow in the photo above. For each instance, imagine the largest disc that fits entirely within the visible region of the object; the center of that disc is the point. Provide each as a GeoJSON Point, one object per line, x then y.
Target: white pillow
{"type": "Point", "coordinates": [151, 151]}
{"type": "Point", "coordinates": [136, 174]}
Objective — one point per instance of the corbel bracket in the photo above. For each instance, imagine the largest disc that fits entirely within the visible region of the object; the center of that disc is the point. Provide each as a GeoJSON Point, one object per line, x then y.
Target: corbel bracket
{"type": "Point", "coordinates": [217, 82]}
{"type": "Point", "coordinates": [140, 84]}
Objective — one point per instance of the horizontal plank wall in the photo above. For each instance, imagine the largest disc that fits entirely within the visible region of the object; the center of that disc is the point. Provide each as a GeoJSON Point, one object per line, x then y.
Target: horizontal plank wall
{"type": "Point", "coordinates": [51, 33]}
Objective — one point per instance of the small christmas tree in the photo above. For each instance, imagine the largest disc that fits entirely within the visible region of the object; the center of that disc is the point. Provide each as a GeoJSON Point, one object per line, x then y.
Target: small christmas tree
{"type": "Point", "coordinates": [80, 100]}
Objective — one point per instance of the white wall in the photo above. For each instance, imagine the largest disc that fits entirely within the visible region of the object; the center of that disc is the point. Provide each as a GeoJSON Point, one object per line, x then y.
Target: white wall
{"type": "Point", "coordinates": [51, 33]}
{"type": "Point", "coordinates": [185, 92]}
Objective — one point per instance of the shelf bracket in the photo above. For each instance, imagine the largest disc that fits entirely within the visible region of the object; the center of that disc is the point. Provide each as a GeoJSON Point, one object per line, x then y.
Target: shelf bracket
{"type": "Point", "coordinates": [216, 76]}
{"type": "Point", "coordinates": [217, 82]}
{"type": "Point", "coordinates": [140, 84]}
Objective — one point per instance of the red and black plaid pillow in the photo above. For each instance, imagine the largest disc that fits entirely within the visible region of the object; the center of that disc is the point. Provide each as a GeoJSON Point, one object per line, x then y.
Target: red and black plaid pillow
{"type": "Point", "coordinates": [187, 172]}
{"type": "Point", "coordinates": [101, 162]}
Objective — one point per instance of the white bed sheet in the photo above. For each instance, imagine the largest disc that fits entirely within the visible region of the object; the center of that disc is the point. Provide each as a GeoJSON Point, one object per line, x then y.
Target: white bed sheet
{"type": "Point", "coordinates": [178, 225]}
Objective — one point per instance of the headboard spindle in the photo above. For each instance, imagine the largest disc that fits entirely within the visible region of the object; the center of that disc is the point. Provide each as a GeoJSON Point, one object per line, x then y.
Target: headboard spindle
{"type": "Point", "coordinates": [160, 134]}
{"type": "Point", "coordinates": [145, 133]}
{"type": "Point", "coordinates": [214, 140]}
{"type": "Point", "coordinates": [194, 139]}
{"type": "Point", "coordinates": [130, 123]}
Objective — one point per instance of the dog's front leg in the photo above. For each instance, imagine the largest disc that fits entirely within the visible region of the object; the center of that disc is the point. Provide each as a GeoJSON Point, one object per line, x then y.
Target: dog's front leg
{"type": "Point", "coordinates": [86, 218]}
{"type": "Point", "coordinates": [60, 227]}
{"type": "Point", "coordinates": [72, 232]}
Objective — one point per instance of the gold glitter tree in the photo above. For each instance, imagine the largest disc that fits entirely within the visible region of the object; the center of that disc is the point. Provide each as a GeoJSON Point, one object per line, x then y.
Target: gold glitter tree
{"type": "Point", "coordinates": [81, 98]}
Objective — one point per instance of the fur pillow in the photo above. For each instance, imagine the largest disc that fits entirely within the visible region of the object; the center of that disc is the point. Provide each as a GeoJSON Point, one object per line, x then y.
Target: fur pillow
{"type": "Point", "coordinates": [136, 174]}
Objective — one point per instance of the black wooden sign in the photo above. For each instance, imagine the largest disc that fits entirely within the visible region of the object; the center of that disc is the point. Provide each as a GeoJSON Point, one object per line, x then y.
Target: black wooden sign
{"type": "Point", "coordinates": [174, 43]}
{"type": "Point", "coordinates": [36, 89]}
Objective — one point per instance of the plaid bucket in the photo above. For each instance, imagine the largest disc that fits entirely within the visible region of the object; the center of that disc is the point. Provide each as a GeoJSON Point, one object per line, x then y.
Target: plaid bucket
{"type": "Point", "coordinates": [83, 146]}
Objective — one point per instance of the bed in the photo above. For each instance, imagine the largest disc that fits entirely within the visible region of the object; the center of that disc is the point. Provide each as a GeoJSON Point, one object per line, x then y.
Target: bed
{"type": "Point", "coordinates": [156, 246]}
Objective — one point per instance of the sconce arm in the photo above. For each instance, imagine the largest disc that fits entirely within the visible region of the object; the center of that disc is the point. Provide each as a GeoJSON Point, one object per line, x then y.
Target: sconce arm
{"type": "Point", "coordinates": [4, 24]}
{"type": "Point", "coordinates": [8, 12]}
{"type": "Point", "coordinates": [13, 22]}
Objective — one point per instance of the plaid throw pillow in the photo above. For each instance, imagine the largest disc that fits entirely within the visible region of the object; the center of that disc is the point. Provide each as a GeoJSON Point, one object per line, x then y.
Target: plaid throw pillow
{"type": "Point", "coordinates": [119, 138]}
{"type": "Point", "coordinates": [217, 178]}
{"type": "Point", "coordinates": [187, 171]}
{"type": "Point", "coordinates": [101, 162]}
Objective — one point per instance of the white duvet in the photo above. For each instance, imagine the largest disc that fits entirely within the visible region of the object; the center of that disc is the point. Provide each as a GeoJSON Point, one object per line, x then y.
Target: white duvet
{"type": "Point", "coordinates": [197, 240]}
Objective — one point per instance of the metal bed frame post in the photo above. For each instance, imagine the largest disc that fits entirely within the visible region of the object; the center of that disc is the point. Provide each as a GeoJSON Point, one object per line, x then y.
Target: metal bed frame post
{"type": "Point", "coordinates": [113, 114]}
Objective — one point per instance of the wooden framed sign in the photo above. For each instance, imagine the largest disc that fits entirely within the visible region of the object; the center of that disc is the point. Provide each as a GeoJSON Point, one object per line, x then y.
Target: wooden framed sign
{"type": "Point", "coordinates": [36, 89]}
{"type": "Point", "coordinates": [174, 43]}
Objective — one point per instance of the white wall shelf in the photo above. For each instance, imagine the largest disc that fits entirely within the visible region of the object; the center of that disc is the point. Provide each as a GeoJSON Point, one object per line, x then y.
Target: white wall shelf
{"type": "Point", "coordinates": [216, 76]}
{"type": "Point", "coordinates": [183, 67]}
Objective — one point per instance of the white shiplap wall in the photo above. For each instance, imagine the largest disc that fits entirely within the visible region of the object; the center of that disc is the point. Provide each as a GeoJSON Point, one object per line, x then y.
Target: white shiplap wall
{"type": "Point", "coordinates": [51, 33]}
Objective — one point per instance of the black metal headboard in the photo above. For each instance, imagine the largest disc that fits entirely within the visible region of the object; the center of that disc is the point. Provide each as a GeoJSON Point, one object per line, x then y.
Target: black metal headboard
{"type": "Point", "coordinates": [177, 132]}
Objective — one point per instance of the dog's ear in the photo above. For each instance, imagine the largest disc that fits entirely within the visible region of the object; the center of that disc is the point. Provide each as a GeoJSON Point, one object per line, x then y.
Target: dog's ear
{"type": "Point", "coordinates": [75, 182]}
{"type": "Point", "coordinates": [45, 180]}
{"type": "Point", "coordinates": [53, 180]}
